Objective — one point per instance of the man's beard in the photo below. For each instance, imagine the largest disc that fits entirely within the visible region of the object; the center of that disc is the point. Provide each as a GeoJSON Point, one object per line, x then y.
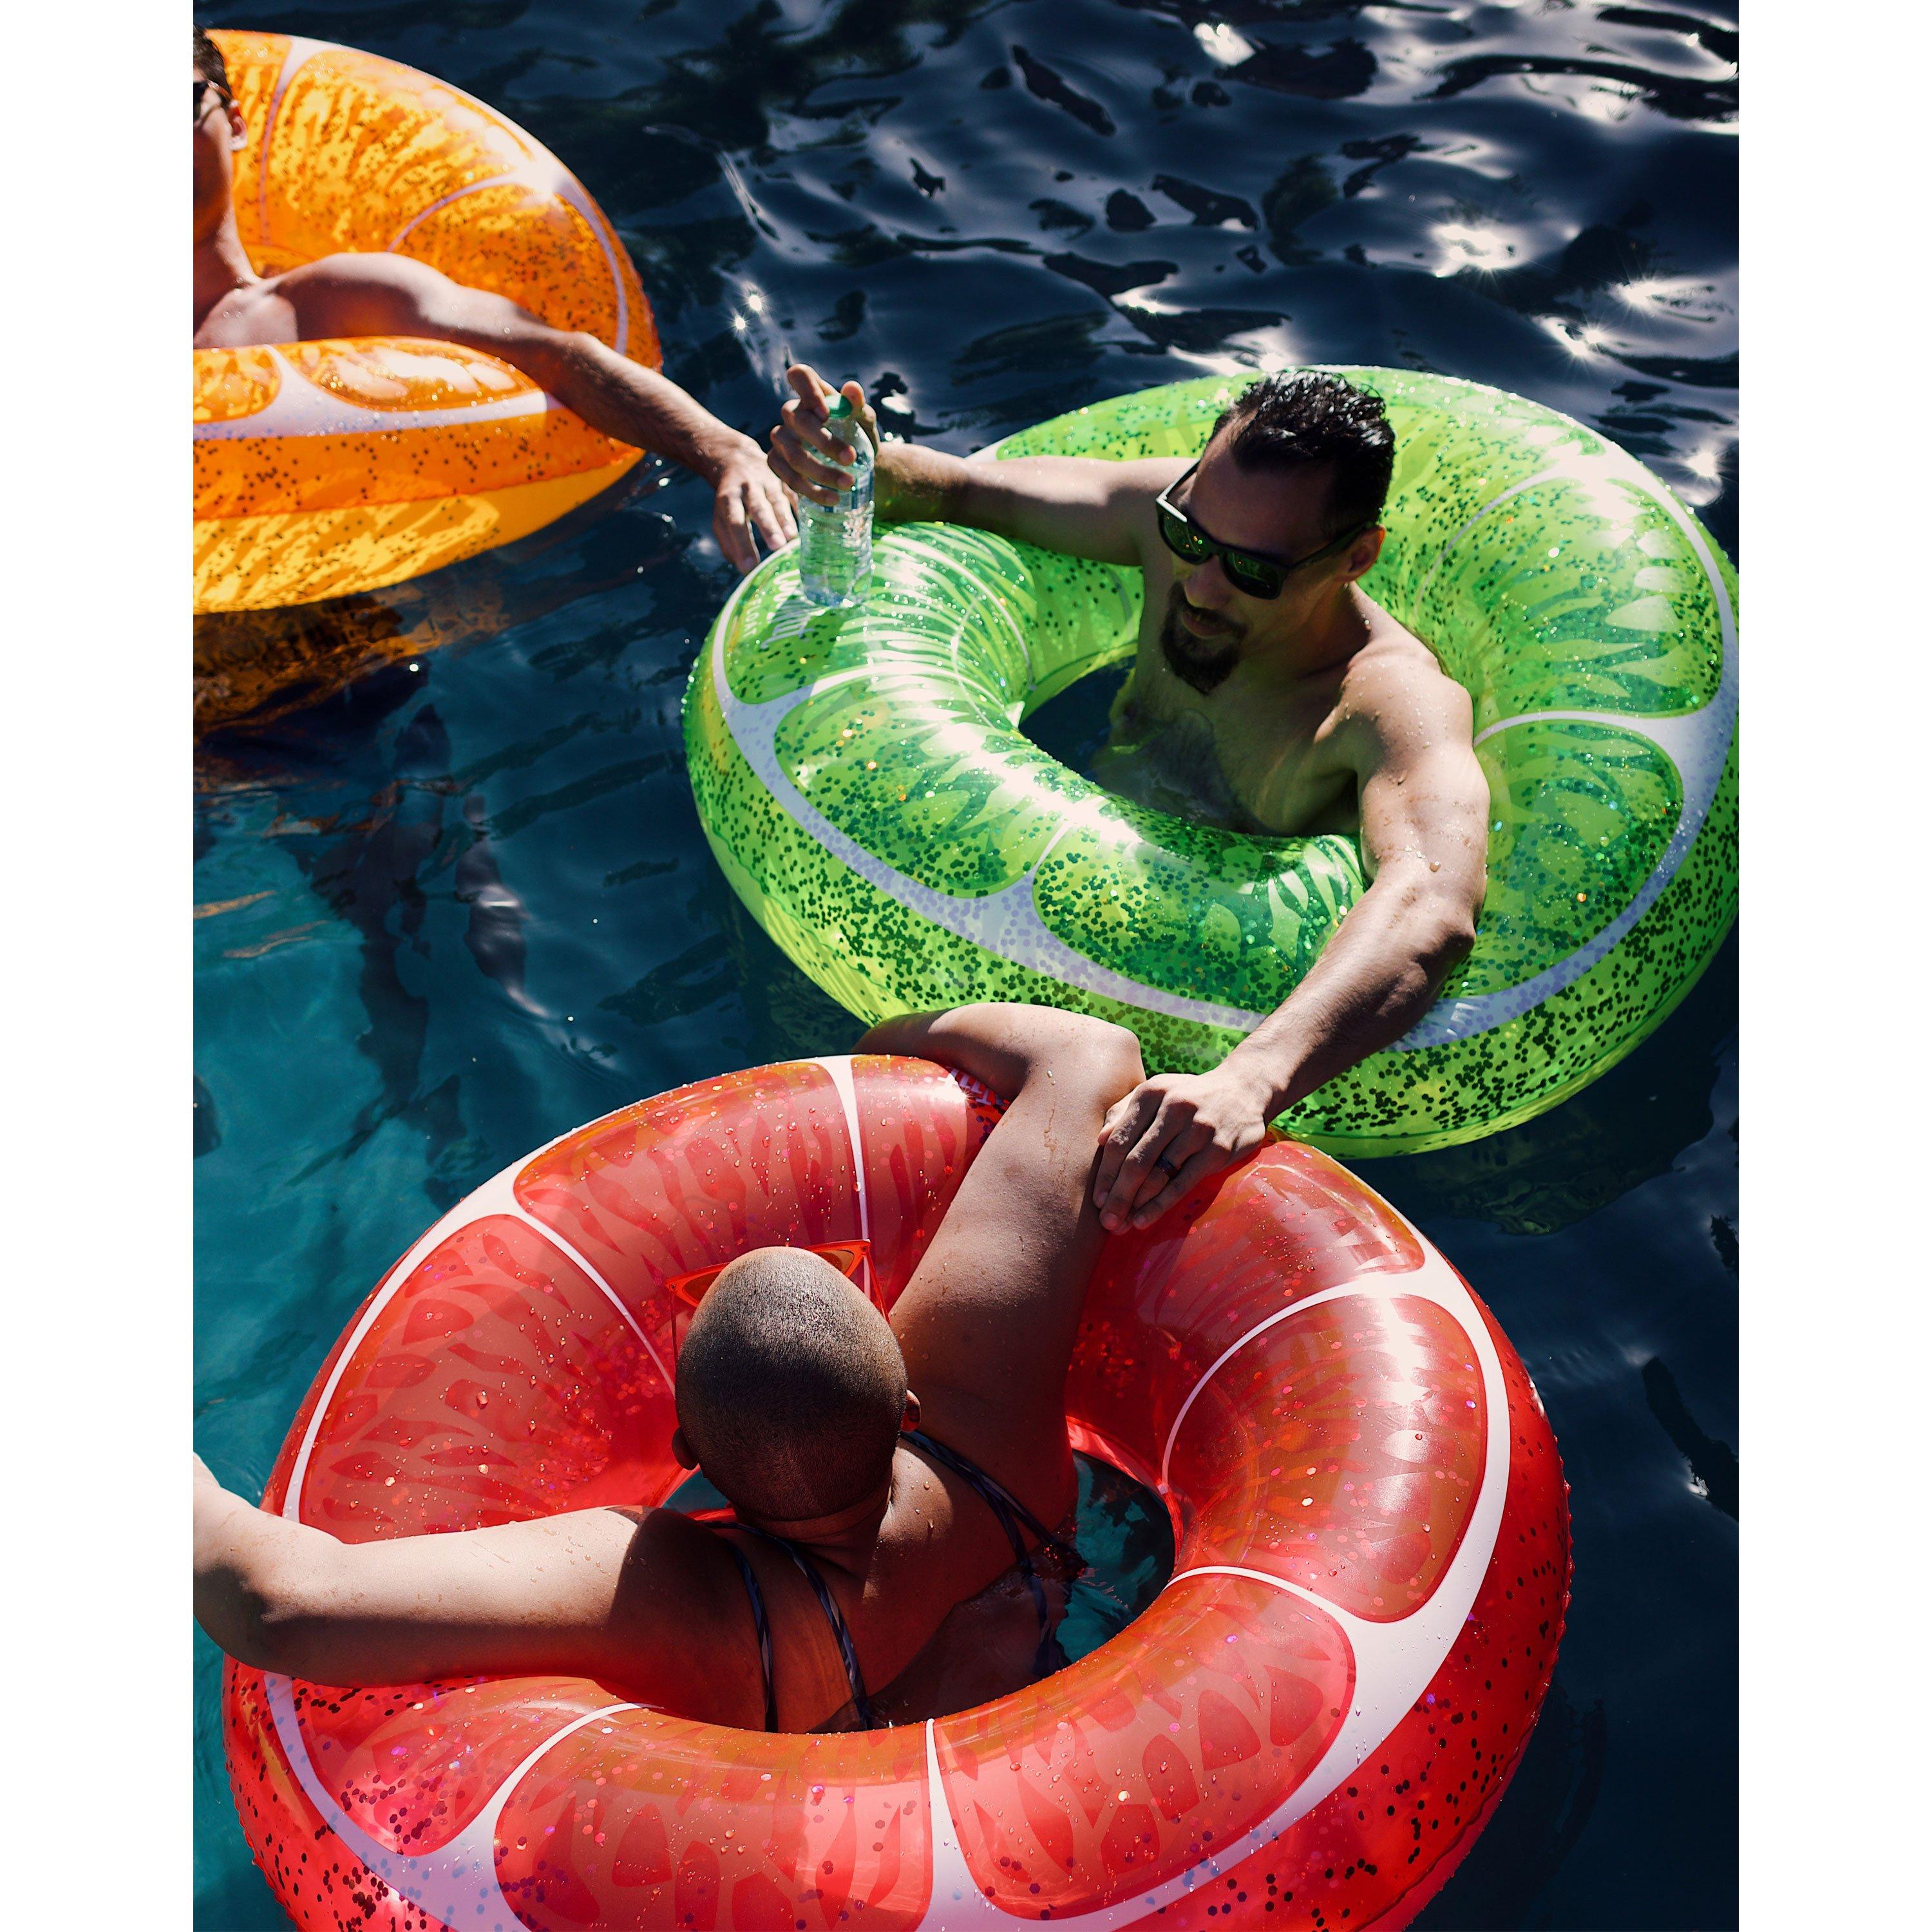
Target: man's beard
{"type": "Point", "coordinates": [1195, 660]}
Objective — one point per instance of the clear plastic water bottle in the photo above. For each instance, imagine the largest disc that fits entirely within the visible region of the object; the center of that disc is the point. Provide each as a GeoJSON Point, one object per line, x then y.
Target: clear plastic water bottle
{"type": "Point", "coordinates": [834, 546]}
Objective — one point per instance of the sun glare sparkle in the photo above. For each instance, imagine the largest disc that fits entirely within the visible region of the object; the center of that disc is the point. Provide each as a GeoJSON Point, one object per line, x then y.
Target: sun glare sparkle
{"type": "Point", "coordinates": [1221, 44]}
{"type": "Point", "coordinates": [1582, 341]}
{"type": "Point", "coordinates": [1467, 244]}
{"type": "Point", "coordinates": [1651, 294]}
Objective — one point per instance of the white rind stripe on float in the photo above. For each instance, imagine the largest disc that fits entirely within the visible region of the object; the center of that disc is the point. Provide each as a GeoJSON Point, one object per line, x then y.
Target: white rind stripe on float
{"type": "Point", "coordinates": [839, 1067]}
{"type": "Point", "coordinates": [457, 1883]}
{"type": "Point", "coordinates": [574, 192]}
{"type": "Point", "coordinates": [1007, 923]}
{"type": "Point", "coordinates": [496, 1196]}
{"type": "Point", "coordinates": [466, 1211]}
{"type": "Point", "coordinates": [300, 48]}
{"type": "Point", "coordinates": [1395, 1662]}
{"type": "Point", "coordinates": [1697, 743]}
{"type": "Point", "coordinates": [301, 408]}
{"type": "Point", "coordinates": [1234, 1348]}
{"type": "Point", "coordinates": [956, 1901]}
{"type": "Point", "coordinates": [544, 174]}
{"type": "Point", "coordinates": [514, 176]}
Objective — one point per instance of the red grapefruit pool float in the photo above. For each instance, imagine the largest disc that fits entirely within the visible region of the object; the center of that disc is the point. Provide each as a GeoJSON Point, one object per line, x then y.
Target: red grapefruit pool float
{"type": "Point", "coordinates": [1307, 1727]}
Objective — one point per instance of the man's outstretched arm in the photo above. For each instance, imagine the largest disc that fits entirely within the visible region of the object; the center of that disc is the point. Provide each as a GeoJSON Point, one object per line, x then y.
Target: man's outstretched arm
{"type": "Point", "coordinates": [1079, 505]}
{"type": "Point", "coordinates": [390, 295]}
{"type": "Point", "coordinates": [1424, 802]}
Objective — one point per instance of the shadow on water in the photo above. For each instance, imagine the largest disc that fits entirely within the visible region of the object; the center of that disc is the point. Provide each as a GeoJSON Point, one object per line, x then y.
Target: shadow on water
{"type": "Point", "coordinates": [1627, 1127]}
{"type": "Point", "coordinates": [452, 896]}
{"type": "Point", "coordinates": [1713, 1465]}
{"type": "Point", "coordinates": [254, 667]}
{"type": "Point", "coordinates": [1549, 1803]}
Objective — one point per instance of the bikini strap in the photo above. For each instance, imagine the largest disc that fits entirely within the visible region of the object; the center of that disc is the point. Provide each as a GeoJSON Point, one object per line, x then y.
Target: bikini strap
{"type": "Point", "coordinates": [854, 1677]}
{"type": "Point", "coordinates": [1011, 1513]}
{"type": "Point", "coordinates": [996, 1496]}
{"type": "Point", "coordinates": [764, 1629]}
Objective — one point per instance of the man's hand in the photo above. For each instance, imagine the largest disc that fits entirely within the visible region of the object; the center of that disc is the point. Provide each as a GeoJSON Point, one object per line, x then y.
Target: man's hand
{"type": "Point", "coordinates": [1168, 1132]}
{"type": "Point", "coordinates": [749, 498]}
{"type": "Point", "coordinates": [806, 455]}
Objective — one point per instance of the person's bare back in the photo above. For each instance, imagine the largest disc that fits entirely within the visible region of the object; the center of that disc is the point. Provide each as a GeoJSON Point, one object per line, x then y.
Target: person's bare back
{"type": "Point", "coordinates": [881, 1462]}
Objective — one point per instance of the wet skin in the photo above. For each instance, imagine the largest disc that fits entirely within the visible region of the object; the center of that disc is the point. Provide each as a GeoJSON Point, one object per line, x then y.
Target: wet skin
{"type": "Point", "coordinates": [390, 295]}
{"type": "Point", "coordinates": [651, 1604]}
{"type": "Point", "coordinates": [1312, 711]}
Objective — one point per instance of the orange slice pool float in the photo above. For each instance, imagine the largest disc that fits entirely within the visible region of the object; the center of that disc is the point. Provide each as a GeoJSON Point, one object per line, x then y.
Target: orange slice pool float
{"type": "Point", "coordinates": [1306, 1728]}
{"type": "Point", "coordinates": [323, 468]}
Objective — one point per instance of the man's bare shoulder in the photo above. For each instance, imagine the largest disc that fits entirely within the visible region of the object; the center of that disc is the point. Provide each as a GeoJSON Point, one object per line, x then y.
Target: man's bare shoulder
{"type": "Point", "coordinates": [1396, 682]}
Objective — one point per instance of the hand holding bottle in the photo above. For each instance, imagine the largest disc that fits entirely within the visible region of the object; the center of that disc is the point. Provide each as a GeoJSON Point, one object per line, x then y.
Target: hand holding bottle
{"type": "Point", "coordinates": [808, 453]}
{"type": "Point", "coordinates": [824, 448]}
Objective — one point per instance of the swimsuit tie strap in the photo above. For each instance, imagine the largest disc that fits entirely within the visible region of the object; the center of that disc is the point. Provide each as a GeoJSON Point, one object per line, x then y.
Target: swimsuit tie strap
{"type": "Point", "coordinates": [764, 1629]}
{"type": "Point", "coordinates": [998, 1497]}
{"type": "Point", "coordinates": [1011, 1513]}
{"type": "Point", "coordinates": [847, 1653]}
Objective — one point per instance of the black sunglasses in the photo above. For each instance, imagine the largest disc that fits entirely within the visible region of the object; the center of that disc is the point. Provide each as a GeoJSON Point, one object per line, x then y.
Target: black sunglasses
{"type": "Point", "coordinates": [1251, 574]}
{"type": "Point", "coordinates": [201, 88]}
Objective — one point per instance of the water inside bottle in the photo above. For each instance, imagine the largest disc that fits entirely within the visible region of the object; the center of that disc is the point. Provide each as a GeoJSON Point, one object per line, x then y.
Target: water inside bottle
{"type": "Point", "coordinates": [834, 562]}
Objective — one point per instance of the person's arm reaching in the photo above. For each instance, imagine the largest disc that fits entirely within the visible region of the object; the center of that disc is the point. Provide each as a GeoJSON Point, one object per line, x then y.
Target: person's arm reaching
{"type": "Point", "coordinates": [988, 1321]}
{"type": "Point", "coordinates": [525, 1596]}
{"type": "Point", "coordinates": [1423, 803]}
{"type": "Point", "coordinates": [1081, 506]}
{"type": "Point", "coordinates": [391, 295]}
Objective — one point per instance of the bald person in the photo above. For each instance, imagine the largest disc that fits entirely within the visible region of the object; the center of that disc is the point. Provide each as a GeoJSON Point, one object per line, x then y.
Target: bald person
{"type": "Point", "coordinates": [901, 1486]}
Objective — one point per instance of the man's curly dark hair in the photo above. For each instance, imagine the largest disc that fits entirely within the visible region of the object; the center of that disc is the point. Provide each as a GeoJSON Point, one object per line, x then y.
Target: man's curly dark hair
{"type": "Point", "coordinates": [208, 61]}
{"type": "Point", "coordinates": [1299, 417]}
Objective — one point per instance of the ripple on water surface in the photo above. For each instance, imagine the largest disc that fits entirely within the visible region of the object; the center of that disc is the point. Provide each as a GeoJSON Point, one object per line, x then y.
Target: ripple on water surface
{"type": "Point", "coordinates": [454, 899]}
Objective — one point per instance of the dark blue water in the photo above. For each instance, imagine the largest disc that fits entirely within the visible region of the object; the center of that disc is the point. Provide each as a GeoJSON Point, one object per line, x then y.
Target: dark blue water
{"type": "Point", "coordinates": [988, 213]}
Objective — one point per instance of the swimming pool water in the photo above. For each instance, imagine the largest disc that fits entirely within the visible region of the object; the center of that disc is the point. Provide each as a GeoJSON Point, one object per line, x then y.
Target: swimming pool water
{"type": "Point", "coordinates": [457, 900]}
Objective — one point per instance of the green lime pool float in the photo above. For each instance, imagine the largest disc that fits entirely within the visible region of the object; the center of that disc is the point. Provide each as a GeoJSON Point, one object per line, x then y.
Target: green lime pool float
{"type": "Point", "coordinates": [863, 780]}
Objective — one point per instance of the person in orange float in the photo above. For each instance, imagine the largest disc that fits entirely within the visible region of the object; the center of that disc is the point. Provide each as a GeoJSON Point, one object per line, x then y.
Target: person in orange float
{"type": "Point", "coordinates": [390, 295]}
{"type": "Point", "coordinates": [892, 1480]}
